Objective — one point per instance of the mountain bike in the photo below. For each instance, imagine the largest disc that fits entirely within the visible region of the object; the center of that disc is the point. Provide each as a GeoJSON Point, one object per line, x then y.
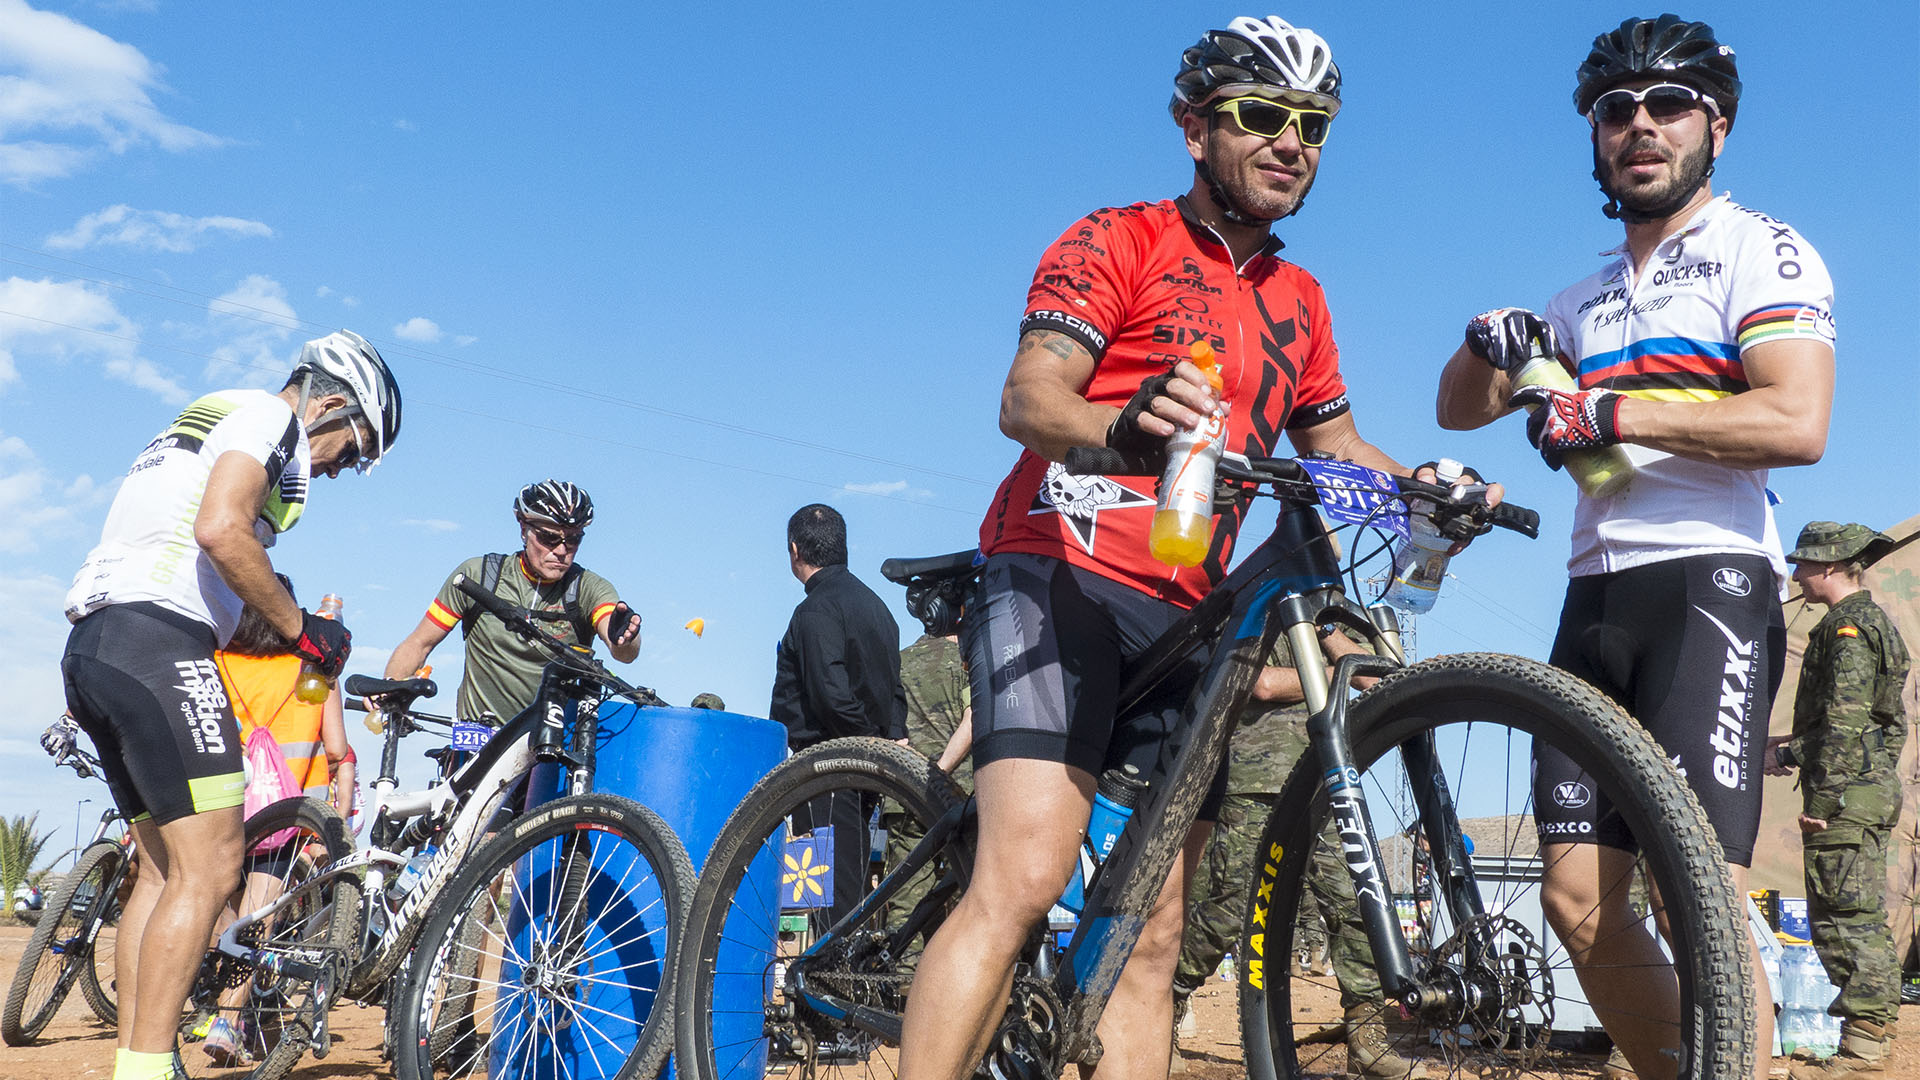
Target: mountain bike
{"type": "Point", "coordinates": [498, 935]}
{"type": "Point", "coordinates": [771, 977]}
{"type": "Point", "coordinates": [73, 943]}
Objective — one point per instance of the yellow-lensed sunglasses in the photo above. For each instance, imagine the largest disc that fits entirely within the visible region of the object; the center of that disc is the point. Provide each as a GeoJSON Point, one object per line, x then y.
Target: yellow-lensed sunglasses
{"type": "Point", "coordinates": [1265, 118]}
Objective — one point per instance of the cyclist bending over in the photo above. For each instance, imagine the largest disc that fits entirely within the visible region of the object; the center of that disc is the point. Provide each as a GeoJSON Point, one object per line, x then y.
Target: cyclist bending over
{"type": "Point", "coordinates": [1113, 307]}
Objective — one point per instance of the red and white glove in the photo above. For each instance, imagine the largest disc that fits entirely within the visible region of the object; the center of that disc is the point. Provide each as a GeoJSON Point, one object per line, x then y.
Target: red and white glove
{"type": "Point", "coordinates": [1563, 420]}
{"type": "Point", "coordinates": [323, 643]}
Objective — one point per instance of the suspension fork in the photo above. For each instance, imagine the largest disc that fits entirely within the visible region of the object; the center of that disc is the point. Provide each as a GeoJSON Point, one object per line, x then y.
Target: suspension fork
{"type": "Point", "coordinates": [1328, 736]}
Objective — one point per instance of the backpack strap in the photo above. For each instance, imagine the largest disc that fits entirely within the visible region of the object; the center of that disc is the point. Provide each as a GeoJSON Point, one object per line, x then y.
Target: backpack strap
{"type": "Point", "coordinates": [490, 581]}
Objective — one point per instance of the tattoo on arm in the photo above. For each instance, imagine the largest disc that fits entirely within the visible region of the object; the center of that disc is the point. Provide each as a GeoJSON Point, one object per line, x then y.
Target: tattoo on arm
{"type": "Point", "coordinates": [1052, 341]}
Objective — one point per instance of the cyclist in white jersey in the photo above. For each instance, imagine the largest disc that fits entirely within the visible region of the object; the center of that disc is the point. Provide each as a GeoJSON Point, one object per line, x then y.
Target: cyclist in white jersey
{"type": "Point", "coordinates": [1705, 347]}
{"type": "Point", "coordinates": [183, 550]}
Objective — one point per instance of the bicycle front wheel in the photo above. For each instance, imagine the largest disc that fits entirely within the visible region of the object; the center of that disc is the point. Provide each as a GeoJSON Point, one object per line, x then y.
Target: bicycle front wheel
{"type": "Point", "coordinates": [61, 947]}
{"type": "Point", "coordinates": [801, 851]}
{"type": "Point", "coordinates": [548, 954]}
{"type": "Point", "coordinates": [1667, 923]}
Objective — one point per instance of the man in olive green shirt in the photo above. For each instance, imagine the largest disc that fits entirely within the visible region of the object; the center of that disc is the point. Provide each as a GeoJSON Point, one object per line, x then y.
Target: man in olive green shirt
{"type": "Point", "coordinates": [502, 670]}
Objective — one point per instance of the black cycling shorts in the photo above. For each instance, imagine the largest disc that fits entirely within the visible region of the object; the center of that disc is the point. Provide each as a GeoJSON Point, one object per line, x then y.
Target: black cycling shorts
{"type": "Point", "coordinates": [142, 682]}
{"type": "Point", "coordinates": [1048, 647]}
{"type": "Point", "coordinates": [1692, 647]}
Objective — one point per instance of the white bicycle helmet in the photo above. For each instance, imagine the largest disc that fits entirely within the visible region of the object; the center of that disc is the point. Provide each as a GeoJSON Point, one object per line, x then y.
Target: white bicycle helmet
{"type": "Point", "coordinates": [1268, 55]}
{"type": "Point", "coordinates": [348, 357]}
{"type": "Point", "coordinates": [555, 501]}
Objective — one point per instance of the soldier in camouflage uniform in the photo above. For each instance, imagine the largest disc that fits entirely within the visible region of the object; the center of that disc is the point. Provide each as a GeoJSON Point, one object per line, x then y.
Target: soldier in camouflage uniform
{"type": "Point", "coordinates": [1262, 754]}
{"type": "Point", "coordinates": [933, 674]}
{"type": "Point", "coordinates": [1848, 729]}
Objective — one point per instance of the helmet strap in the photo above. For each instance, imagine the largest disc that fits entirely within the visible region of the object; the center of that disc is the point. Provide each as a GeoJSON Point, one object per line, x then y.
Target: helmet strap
{"type": "Point", "coordinates": [1230, 207]}
{"type": "Point", "coordinates": [306, 391]}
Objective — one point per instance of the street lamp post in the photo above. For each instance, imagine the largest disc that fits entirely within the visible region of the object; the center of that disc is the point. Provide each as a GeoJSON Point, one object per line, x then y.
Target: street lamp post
{"type": "Point", "coordinates": [76, 829]}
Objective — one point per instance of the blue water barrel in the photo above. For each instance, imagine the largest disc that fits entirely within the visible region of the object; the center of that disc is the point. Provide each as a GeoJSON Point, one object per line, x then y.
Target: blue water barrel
{"type": "Point", "coordinates": [692, 767]}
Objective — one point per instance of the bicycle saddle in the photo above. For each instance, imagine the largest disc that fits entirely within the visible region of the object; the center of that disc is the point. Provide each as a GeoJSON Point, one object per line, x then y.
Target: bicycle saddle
{"type": "Point", "coordinates": [367, 686]}
{"type": "Point", "coordinates": [931, 568]}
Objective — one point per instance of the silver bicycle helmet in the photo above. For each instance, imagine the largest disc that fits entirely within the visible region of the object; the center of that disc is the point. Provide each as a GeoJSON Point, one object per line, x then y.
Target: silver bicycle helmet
{"type": "Point", "coordinates": [348, 357]}
{"type": "Point", "coordinates": [1266, 55]}
{"type": "Point", "coordinates": [557, 501]}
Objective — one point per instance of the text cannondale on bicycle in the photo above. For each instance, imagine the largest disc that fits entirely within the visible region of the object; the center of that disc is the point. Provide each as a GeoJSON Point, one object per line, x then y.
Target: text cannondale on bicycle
{"type": "Point", "coordinates": [1704, 346]}
{"type": "Point", "coordinates": [1069, 594]}
{"type": "Point", "coordinates": [183, 549]}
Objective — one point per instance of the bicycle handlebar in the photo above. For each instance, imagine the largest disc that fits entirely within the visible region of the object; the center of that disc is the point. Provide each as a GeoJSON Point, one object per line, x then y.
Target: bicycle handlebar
{"type": "Point", "coordinates": [521, 621]}
{"type": "Point", "coordinates": [1236, 469]}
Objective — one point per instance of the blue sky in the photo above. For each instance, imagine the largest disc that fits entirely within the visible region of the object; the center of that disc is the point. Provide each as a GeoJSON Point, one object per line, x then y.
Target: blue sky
{"type": "Point", "coordinates": [716, 266]}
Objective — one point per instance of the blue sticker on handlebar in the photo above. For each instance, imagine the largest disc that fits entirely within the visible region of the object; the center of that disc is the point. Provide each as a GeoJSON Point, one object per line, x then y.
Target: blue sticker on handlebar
{"type": "Point", "coordinates": [1357, 495]}
{"type": "Point", "coordinates": [470, 736]}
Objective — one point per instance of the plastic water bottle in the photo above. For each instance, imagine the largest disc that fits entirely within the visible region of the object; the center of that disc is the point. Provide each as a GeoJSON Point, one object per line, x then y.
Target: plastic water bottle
{"type": "Point", "coordinates": [312, 687]}
{"type": "Point", "coordinates": [1420, 561]}
{"type": "Point", "coordinates": [1602, 471]}
{"type": "Point", "coordinates": [416, 869]}
{"type": "Point", "coordinates": [1114, 798]}
{"type": "Point", "coordinates": [1183, 517]}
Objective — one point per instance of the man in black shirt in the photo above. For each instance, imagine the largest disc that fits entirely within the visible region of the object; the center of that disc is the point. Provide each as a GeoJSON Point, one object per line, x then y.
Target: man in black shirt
{"type": "Point", "coordinates": [838, 671]}
{"type": "Point", "coordinates": [838, 674]}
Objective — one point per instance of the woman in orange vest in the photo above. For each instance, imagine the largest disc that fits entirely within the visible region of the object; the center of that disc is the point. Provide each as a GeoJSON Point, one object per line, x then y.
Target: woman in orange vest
{"type": "Point", "coordinates": [259, 670]}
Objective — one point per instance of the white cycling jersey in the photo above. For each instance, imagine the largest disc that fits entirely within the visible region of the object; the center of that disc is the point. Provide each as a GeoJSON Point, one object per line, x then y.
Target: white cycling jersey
{"type": "Point", "coordinates": [147, 551]}
{"type": "Point", "coordinates": [1732, 279]}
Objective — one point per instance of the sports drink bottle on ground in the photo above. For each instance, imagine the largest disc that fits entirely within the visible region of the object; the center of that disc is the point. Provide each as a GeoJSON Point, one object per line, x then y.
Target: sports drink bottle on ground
{"type": "Point", "coordinates": [1183, 518]}
{"type": "Point", "coordinates": [313, 687]}
{"type": "Point", "coordinates": [1602, 471]}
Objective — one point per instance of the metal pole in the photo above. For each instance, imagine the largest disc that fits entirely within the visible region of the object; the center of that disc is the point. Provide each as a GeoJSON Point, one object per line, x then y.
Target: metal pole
{"type": "Point", "coordinates": [76, 829]}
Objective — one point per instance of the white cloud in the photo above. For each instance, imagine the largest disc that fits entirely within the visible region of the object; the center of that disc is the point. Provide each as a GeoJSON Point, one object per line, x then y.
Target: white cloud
{"type": "Point", "coordinates": [888, 487]}
{"type": "Point", "coordinates": [33, 506]}
{"type": "Point", "coordinates": [66, 320]}
{"type": "Point", "coordinates": [31, 639]}
{"type": "Point", "coordinates": [150, 230]}
{"type": "Point", "coordinates": [72, 94]}
{"type": "Point", "coordinates": [432, 524]}
{"type": "Point", "coordinates": [418, 329]}
{"type": "Point", "coordinates": [464, 339]}
{"type": "Point", "coordinates": [404, 124]}
{"type": "Point", "coordinates": [256, 321]}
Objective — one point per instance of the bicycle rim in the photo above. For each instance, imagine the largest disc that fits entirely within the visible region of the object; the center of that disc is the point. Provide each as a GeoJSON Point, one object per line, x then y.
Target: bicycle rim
{"type": "Point", "coordinates": [771, 889]}
{"type": "Point", "coordinates": [549, 955]}
{"type": "Point", "coordinates": [1534, 1015]}
{"type": "Point", "coordinates": [58, 950]}
{"type": "Point", "coordinates": [274, 1009]}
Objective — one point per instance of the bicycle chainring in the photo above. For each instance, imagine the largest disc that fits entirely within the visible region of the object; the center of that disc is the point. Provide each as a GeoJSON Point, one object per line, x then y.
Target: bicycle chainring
{"type": "Point", "coordinates": [1028, 1045]}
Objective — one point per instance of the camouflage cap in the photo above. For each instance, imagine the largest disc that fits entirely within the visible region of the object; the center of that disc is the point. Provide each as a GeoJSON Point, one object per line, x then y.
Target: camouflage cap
{"type": "Point", "coordinates": [709, 701]}
{"type": "Point", "coordinates": [1831, 541]}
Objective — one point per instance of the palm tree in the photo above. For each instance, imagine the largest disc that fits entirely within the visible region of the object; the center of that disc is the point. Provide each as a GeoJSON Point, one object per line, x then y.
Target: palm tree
{"type": "Point", "coordinates": [20, 846]}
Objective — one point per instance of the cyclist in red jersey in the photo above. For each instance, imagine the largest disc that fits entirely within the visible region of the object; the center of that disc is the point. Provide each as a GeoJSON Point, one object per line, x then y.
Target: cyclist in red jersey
{"type": "Point", "coordinates": [1069, 595]}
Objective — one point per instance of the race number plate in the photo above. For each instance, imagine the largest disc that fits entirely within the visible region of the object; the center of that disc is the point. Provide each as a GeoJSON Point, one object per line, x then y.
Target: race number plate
{"type": "Point", "coordinates": [1357, 495]}
{"type": "Point", "coordinates": [470, 736]}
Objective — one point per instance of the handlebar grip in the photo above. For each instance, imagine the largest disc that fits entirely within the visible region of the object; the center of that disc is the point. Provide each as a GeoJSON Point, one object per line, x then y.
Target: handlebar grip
{"type": "Point", "coordinates": [1518, 518]}
{"type": "Point", "coordinates": [499, 608]}
{"type": "Point", "coordinates": [1101, 461]}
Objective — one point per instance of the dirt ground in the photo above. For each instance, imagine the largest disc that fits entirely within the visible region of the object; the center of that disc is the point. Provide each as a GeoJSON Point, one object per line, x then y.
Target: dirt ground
{"type": "Point", "coordinates": [77, 1047]}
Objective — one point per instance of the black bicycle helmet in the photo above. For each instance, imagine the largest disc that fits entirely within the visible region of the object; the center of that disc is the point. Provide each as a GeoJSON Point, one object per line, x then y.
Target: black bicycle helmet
{"type": "Point", "coordinates": [555, 501]}
{"type": "Point", "coordinates": [1666, 47]}
{"type": "Point", "coordinates": [1252, 55]}
{"type": "Point", "coordinates": [349, 357]}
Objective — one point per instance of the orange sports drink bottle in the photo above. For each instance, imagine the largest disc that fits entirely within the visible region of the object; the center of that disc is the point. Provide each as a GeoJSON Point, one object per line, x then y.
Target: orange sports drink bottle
{"type": "Point", "coordinates": [313, 687]}
{"type": "Point", "coordinates": [1183, 517]}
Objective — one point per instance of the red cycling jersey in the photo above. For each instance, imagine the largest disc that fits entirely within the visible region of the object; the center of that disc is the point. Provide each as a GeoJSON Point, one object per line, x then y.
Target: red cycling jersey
{"type": "Point", "coordinates": [1137, 286]}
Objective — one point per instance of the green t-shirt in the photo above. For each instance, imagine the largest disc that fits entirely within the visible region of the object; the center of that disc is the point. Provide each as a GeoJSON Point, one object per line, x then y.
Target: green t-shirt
{"type": "Point", "coordinates": [502, 671]}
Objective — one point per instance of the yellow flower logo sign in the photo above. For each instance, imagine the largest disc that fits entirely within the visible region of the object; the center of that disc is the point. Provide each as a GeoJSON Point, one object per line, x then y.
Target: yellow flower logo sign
{"type": "Point", "coordinates": [803, 874]}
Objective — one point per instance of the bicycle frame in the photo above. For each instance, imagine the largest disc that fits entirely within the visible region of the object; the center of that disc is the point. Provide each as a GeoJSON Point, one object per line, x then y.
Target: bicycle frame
{"type": "Point", "coordinates": [478, 789]}
{"type": "Point", "coordinates": [1290, 584]}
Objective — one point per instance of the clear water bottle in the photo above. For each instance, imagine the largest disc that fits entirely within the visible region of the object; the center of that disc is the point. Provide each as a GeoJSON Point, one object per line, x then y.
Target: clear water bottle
{"type": "Point", "coordinates": [1420, 561]}
{"type": "Point", "coordinates": [416, 869]}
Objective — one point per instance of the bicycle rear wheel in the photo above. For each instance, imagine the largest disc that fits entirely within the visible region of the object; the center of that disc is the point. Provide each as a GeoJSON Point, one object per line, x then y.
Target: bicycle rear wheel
{"type": "Point", "coordinates": [274, 1007]}
{"type": "Point", "coordinates": [60, 948]}
{"type": "Point", "coordinates": [548, 954]}
{"type": "Point", "coordinates": [98, 982]}
{"type": "Point", "coordinates": [1523, 1007]}
{"type": "Point", "coordinates": [794, 857]}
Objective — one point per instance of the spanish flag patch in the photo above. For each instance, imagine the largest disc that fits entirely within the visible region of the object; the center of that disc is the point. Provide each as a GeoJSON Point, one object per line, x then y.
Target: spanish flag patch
{"type": "Point", "coordinates": [1847, 631]}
